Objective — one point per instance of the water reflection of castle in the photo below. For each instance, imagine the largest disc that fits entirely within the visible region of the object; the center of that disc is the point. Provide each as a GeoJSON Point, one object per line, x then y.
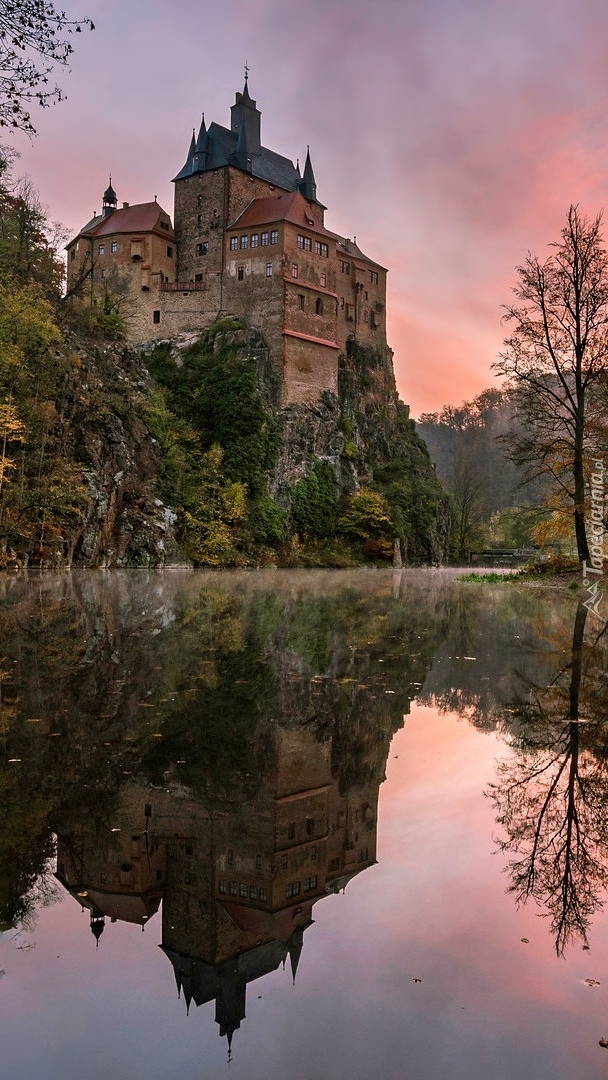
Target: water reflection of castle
{"type": "Point", "coordinates": [238, 879]}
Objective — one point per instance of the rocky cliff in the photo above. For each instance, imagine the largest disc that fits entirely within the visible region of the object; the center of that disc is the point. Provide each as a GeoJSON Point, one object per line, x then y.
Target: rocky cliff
{"type": "Point", "coordinates": [182, 453]}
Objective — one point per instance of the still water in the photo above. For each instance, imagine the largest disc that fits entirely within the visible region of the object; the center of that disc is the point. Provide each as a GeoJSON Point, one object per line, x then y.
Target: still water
{"type": "Point", "coordinates": [307, 825]}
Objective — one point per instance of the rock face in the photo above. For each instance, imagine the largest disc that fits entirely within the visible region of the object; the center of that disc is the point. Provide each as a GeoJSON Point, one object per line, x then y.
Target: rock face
{"type": "Point", "coordinates": [362, 437]}
{"type": "Point", "coordinates": [125, 523]}
{"type": "Point", "coordinates": [365, 434]}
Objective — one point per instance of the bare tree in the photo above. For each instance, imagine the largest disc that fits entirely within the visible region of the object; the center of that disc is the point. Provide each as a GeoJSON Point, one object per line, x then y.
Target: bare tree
{"type": "Point", "coordinates": [552, 794]}
{"type": "Point", "coordinates": [556, 359]}
{"type": "Point", "coordinates": [34, 39]}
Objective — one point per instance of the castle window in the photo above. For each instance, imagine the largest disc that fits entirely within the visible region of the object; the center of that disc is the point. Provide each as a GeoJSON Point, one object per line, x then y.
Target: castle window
{"type": "Point", "coordinates": [318, 306]}
{"type": "Point", "coordinates": [294, 270]}
{"type": "Point", "coordinates": [200, 249]}
{"type": "Point", "coordinates": [169, 252]}
{"type": "Point", "coordinates": [365, 319]}
{"type": "Point", "coordinates": [310, 826]}
{"type": "Point", "coordinates": [344, 266]}
{"type": "Point", "coordinates": [231, 858]}
{"type": "Point", "coordinates": [323, 280]}
{"type": "Point", "coordinates": [232, 888]}
{"type": "Point", "coordinates": [283, 862]}
{"type": "Point", "coordinates": [244, 241]}
{"type": "Point", "coordinates": [103, 273]}
{"type": "Point", "coordinates": [205, 247]}
{"type": "Point", "coordinates": [253, 892]}
{"type": "Point", "coordinates": [199, 221]}
{"type": "Point", "coordinates": [292, 889]}
{"type": "Point", "coordinates": [255, 239]}
{"type": "Point", "coordinates": [301, 302]}
{"type": "Point", "coordinates": [268, 269]}
{"type": "Point", "coordinates": [234, 243]}
{"type": "Point", "coordinates": [310, 883]}
{"type": "Point", "coordinates": [305, 243]}
{"type": "Point", "coordinates": [101, 250]}
{"type": "Point", "coordinates": [373, 276]}
{"type": "Point", "coordinates": [240, 273]}
{"type": "Point", "coordinates": [223, 886]}
{"type": "Point", "coordinates": [321, 249]}
{"type": "Point", "coordinates": [291, 831]}
{"type": "Point", "coordinates": [374, 321]}
{"type": "Point", "coordinates": [274, 236]}
{"type": "Point", "coordinates": [263, 894]}
{"type": "Point", "coordinates": [198, 278]}
{"type": "Point", "coordinates": [243, 890]}
{"type": "Point", "coordinates": [156, 316]}
{"type": "Point", "coordinates": [334, 864]}
{"type": "Point", "coordinates": [114, 247]}
{"type": "Point", "coordinates": [349, 312]}
{"type": "Point", "coordinates": [165, 225]}
{"type": "Point", "coordinates": [264, 239]}
{"type": "Point", "coordinates": [258, 862]}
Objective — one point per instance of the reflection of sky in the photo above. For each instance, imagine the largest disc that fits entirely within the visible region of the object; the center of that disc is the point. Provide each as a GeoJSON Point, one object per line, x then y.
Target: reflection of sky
{"type": "Point", "coordinates": [488, 1007]}
{"type": "Point", "coordinates": [449, 135]}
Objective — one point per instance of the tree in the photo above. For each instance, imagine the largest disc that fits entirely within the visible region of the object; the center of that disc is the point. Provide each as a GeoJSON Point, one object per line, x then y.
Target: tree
{"type": "Point", "coordinates": [34, 39]}
{"type": "Point", "coordinates": [556, 360]}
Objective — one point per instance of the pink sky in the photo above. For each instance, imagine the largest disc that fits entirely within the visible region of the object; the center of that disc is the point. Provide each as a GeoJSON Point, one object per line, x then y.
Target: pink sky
{"type": "Point", "coordinates": [449, 136]}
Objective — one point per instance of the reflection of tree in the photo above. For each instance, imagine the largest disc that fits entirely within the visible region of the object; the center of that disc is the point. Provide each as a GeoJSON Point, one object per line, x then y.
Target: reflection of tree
{"type": "Point", "coordinates": [552, 797]}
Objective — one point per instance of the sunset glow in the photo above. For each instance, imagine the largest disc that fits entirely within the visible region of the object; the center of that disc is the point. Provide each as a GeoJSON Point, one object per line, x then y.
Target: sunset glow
{"type": "Point", "coordinates": [449, 137]}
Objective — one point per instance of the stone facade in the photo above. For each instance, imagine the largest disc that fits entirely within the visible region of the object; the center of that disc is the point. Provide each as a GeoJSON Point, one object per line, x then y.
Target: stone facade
{"type": "Point", "coordinates": [250, 241]}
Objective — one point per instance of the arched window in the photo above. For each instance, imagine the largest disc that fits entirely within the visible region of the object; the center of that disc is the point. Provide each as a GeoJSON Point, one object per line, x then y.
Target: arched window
{"type": "Point", "coordinates": [318, 306]}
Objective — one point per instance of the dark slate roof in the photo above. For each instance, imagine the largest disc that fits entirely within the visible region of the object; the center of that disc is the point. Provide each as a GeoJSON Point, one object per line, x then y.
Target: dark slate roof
{"type": "Point", "coordinates": [265, 164]}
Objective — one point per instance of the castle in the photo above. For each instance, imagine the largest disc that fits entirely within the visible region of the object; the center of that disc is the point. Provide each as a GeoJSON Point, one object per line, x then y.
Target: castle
{"type": "Point", "coordinates": [250, 241]}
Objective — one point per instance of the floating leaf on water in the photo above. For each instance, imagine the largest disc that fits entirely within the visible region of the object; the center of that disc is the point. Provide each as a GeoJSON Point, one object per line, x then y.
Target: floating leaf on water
{"type": "Point", "coordinates": [416, 980]}
{"type": "Point", "coordinates": [604, 1043]}
{"type": "Point", "coordinates": [591, 982]}
{"type": "Point", "coordinates": [525, 940]}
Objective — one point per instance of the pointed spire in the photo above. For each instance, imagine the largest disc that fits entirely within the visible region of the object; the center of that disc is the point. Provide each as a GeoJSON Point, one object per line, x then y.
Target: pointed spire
{"type": "Point", "coordinates": [187, 168]}
{"type": "Point", "coordinates": [109, 200]}
{"type": "Point", "coordinates": [199, 158]}
{"type": "Point", "coordinates": [202, 142]}
{"type": "Point", "coordinates": [97, 925]}
{"type": "Point", "coordinates": [246, 95]}
{"type": "Point", "coordinates": [308, 187]}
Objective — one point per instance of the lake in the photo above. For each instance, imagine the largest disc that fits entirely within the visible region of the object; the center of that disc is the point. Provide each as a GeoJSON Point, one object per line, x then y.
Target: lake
{"type": "Point", "coordinates": [316, 824]}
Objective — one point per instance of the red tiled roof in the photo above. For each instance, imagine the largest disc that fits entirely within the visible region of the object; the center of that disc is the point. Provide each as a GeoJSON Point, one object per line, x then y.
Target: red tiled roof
{"type": "Point", "coordinates": [142, 217]}
{"type": "Point", "coordinates": [290, 206]}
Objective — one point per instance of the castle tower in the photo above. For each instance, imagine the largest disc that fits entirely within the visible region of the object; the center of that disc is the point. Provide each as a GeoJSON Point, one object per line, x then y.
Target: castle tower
{"type": "Point", "coordinates": [245, 120]}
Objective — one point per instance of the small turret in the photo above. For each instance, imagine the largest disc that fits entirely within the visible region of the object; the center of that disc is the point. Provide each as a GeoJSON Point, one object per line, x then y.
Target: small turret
{"type": "Point", "coordinates": [109, 200]}
{"type": "Point", "coordinates": [201, 149]}
{"type": "Point", "coordinates": [308, 187]}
